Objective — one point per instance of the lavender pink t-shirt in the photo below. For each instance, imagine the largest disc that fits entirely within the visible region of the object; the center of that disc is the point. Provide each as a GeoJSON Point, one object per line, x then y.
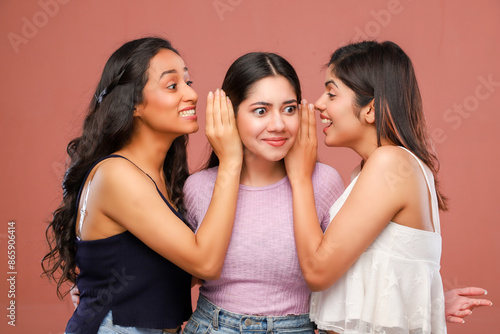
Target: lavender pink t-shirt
{"type": "Point", "coordinates": [261, 273]}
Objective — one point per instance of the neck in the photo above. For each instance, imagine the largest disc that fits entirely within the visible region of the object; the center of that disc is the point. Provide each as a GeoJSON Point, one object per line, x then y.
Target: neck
{"type": "Point", "coordinates": [257, 172]}
{"type": "Point", "coordinates": [366, 147]}
{"type": "Point", "coordinates": [148, 151]}
{"type": "Point", "coordinates": [366, 141]}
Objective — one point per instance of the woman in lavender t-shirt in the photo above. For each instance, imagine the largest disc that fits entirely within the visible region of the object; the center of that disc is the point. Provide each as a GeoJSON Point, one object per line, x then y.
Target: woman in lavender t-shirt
{"type": "Point", "coordinates": [261, 287]}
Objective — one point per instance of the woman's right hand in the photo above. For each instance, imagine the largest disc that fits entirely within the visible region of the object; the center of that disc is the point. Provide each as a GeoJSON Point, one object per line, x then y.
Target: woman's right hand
{"type": "Point", "coordinates": [221, 129]}
{"type": "Point", "coordinates": [301, 159]}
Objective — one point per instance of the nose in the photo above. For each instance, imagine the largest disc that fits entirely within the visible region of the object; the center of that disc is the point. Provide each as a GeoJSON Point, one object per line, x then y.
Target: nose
{"type": "Point", "coordinates": [276, 123]}
{"type": "Point", "coordinates": [319, 105]}
{"type": "Point", "coordinates": [190, 94]}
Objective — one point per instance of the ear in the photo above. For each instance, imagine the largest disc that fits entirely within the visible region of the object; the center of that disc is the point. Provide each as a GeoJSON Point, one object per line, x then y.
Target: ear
{"type": "Point", "coordinates": [368, 112]}
{"type": "Point", "coordinates": [137, 111]}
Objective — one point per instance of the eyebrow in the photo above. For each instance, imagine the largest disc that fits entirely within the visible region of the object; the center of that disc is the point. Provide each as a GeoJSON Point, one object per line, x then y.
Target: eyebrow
{"type": "Point", "coordinates": [262, 103]}
{"type": "Point", "coordinates": [331, 82]}
{"type": "Point", "coordinates": [171, 71]}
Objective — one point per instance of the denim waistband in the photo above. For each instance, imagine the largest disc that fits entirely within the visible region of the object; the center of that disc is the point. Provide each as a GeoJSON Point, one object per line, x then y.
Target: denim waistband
{"type": "Point", "coordinates": [247, 322]}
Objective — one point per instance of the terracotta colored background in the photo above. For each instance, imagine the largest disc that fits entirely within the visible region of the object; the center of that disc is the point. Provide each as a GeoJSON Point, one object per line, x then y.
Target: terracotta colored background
{"type": "Point", "coordinates": [52, 53]}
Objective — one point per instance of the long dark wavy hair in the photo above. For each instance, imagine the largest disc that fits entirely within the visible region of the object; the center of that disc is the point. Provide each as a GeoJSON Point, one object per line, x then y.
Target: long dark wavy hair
{"type": "Point", "coordinates": [108, 126]}
{"type": "Point", "coordinates": [384, 73]}
{"type": "Point", "coordinates": [245, 71]}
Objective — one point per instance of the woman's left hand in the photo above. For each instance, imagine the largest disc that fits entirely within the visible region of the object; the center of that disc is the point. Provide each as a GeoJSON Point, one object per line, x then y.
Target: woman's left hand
{"type": "Point", "coordinates": [75, 296]}
{"type": "Point", "coordinates": [459, 304]}
{"type": "Point", "coordinates": [301, 159]}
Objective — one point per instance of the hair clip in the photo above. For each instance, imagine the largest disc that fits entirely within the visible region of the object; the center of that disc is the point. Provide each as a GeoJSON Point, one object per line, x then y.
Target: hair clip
{"type": "Point", "coordinates": [101, 96]}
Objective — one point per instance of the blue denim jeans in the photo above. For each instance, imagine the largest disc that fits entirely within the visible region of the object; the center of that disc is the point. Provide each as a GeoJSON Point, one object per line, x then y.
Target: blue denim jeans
{"type": "Point", "coordinates": [209, 318]}
{"type": "Point", "coordinates": [107, 327]}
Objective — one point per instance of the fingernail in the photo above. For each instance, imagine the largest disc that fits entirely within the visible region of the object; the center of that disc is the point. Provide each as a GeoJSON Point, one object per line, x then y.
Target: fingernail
{"type": "Point", "coordinates": [485, 292]}
{"type": "Point", "coordinates": [217, 91]}
{"type": "Point", "coordinates": [491, 303]}
{"type": "Point", "coordinates": [227, 99]}
{"type": "Point", "coordinates": [222, 93]}
{"type": "Point", "coordinates": [311, 106]}
{"type": "Point", "coordinates": [463, 321]}
{"type": "Point", "coordinates": [210, 94]}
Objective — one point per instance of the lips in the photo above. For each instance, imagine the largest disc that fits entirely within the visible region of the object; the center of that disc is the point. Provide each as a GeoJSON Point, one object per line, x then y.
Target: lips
{"type": "Point", "coordinates": [276, 141]}
{"type": "Point", "coordinates": [325, 120]}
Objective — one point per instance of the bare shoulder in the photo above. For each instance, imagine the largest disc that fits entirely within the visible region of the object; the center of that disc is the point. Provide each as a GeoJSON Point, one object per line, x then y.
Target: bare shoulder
{"type": "Point", "coordinates": [119, 176]}
{"type": "Point", "coordinates": [113, 168]}
{"type": "Point", "coordinates": [390, 158]}
{"type": "Point", "coordinates": [126, 195]}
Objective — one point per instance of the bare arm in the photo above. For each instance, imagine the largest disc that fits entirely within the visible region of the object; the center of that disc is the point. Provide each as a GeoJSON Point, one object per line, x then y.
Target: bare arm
{"type": "Point", "coordinates": [319, 254]}
{"type": "Point", "coordinates": [324, 258]}
{"type": "Point", "coordinates": [135, 204]}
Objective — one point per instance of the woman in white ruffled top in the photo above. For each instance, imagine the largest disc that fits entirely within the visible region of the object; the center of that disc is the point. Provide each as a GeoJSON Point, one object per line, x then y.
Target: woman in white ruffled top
{"type": "Point", "coordinates": [383, 247]}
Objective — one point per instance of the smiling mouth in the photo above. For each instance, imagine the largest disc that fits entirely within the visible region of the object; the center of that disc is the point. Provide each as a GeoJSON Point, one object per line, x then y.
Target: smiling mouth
{"type": "Point", "coordinates": [276, 142]}
{"type": "Point", "coordinates": [189, 112]}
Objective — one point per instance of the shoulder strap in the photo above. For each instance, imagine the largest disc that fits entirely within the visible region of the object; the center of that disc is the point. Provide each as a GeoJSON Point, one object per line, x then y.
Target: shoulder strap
{"type": "Point", "coordinates": [432, 192]}
{"type": "Point", "coordinates": [83, 210]}
{"type": "Point", "coordinates": [156, 186]}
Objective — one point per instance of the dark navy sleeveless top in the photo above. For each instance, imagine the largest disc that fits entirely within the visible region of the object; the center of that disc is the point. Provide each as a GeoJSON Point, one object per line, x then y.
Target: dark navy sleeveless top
{"type": "Point", "coordinates": [123, 275]}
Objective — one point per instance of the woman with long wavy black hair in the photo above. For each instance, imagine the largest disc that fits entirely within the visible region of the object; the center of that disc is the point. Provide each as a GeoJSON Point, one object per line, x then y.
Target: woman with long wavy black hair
{"type": "Point", "coordinates": [119, 231]}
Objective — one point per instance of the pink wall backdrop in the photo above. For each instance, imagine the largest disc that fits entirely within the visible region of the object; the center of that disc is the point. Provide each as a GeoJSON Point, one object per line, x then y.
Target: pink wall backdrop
{"type": "Point", "coordinates": [52, 53]}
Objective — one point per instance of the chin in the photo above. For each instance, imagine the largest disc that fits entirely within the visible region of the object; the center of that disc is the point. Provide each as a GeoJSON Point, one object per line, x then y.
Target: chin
{"type": "Point", "coordinates": [275, 158]}
{"type": "Point", "coordinates": [193, 129]}
{"type": "Point", "coordinates": [331, 142]}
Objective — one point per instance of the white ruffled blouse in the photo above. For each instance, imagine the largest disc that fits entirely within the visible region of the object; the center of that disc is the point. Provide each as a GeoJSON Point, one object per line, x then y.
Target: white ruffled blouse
{"type": "Point", "coordinates": [394, 287]}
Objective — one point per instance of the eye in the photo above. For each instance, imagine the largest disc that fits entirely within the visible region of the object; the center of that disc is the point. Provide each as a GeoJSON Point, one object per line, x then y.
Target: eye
{"type": "Point", "coordinates": [259, 111]}
{"type": "Point", "coordinates": [290, 109]}
{"type": "Point", "coordinates": [330, 95]}
{"type": "Point", "coordinates": [189, 83]}
{"type": "Point", "coordinates": [172, 86]}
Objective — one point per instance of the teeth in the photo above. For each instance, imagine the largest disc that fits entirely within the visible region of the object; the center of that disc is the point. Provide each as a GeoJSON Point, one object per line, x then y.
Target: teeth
{"type": "Point", "coordinates": [325, 121]}
{"type": "Point", "coordinates": [190, 112]}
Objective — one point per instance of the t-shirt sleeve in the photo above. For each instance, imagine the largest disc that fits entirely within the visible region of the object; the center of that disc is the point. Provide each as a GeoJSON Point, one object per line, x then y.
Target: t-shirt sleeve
{"type": "Point", "coordinates": [198, 190]}
{"type": "Point", "coordinates": [190, 202]}
{"type": "Point", "coordinates": [328, 186]}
